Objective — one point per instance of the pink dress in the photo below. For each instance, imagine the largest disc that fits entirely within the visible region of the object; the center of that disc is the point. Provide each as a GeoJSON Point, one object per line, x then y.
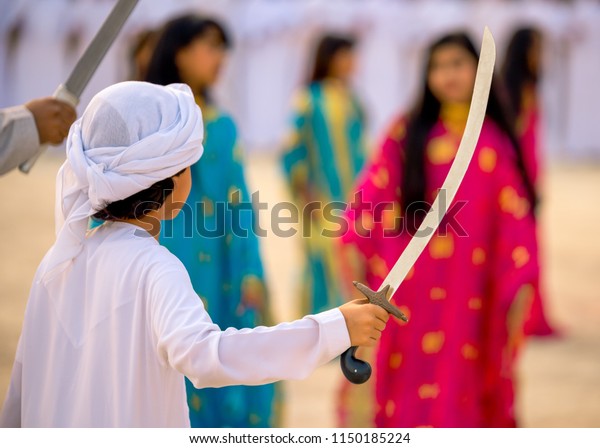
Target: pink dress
{"type": "Point", "coordinates": [537, 323]}
{"type": "Point", "coordinates": [452, 364]}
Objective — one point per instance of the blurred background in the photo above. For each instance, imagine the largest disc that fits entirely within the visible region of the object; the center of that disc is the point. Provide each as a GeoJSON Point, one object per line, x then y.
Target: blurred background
{"type": "Point", "coordinates": [559, 378]}
{"type": "Point", "coordinates": [272, 41]}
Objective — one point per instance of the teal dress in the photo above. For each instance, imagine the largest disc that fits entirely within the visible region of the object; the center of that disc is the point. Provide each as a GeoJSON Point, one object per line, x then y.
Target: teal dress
{"type": "Point", "coordinates": [322, 157]}
{"type": "Point", "coordinates": [213, 238]}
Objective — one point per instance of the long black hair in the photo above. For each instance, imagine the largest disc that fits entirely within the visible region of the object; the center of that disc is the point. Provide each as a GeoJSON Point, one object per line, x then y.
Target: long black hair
{"type": "Point", "coordinates": [517, 72]}
{"type": "Point", "coordinates": [145, 39]}
{"type": "Point", "coordinates": [176, 34]}
{"type": "Point", "coordinates": [422, 119]}
{"type": "Point", "coordinates": [327, 48]}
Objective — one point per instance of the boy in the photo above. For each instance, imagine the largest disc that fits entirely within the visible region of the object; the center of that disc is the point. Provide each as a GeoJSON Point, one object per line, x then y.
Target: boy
{"type": "Point", "coordinates": [112, 314]}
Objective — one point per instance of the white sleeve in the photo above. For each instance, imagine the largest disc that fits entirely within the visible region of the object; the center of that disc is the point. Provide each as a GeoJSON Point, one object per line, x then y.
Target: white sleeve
{"type": "Point", "coordinates": [191, 343]}
{"type": "Point", "coordinates": [19, 139]}
{"type": "Point", "coordinates": [10, 417]}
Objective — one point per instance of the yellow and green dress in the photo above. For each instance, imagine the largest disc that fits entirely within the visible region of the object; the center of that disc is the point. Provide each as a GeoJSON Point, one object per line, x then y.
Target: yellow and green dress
{"type": "Point", "coordinates": [322, 157]}
{"type": "Point", "coordinates": [213, 238]}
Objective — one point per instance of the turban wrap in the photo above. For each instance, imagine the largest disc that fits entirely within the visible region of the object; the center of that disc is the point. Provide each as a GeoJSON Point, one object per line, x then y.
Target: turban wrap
{"type": "Point", "coordinates": [131, 135]}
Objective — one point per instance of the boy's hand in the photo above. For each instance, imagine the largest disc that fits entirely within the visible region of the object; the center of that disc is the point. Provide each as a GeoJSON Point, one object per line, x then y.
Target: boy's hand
{"type": "Point", "coordinates": [365, 322]}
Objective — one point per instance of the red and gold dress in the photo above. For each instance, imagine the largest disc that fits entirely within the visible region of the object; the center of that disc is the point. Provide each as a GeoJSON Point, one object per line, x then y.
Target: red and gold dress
{"type": "Point", "coordinates": [452, 364]}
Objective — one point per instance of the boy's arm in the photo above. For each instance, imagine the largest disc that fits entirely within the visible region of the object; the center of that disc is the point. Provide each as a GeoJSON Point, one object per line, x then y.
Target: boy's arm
{"type": "Point", "coordinates": [186, 339]}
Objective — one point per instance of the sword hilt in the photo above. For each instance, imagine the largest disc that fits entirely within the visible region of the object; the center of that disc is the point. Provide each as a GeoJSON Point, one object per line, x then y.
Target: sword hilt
{"type": "Point", "coordinates": [356, 370]}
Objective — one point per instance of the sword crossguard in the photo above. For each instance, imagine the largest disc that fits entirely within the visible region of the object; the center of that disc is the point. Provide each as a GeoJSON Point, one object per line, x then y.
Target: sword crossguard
{"type": "Point", "coordinates": [381, 298]}
{"type": "Point", "coordinates": [356, 370]}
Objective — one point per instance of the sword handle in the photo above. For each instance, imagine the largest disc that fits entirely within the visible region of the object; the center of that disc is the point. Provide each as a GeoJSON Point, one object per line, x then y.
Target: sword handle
{"type": "Point", "coordinates": [63, 94]}
{"type": "Point", "coordinates": [26, 166]}
{"type": "Point", "coordinates": [356, 370]}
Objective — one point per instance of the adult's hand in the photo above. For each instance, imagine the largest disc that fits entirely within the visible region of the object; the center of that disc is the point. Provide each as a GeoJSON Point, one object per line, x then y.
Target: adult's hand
{"type": "Point", "coordinates": [53, 118]}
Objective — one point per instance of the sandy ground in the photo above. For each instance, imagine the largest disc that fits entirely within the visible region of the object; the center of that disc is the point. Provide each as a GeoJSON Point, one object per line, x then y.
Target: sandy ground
{"type": "Point", "coordinates": [559, 378]}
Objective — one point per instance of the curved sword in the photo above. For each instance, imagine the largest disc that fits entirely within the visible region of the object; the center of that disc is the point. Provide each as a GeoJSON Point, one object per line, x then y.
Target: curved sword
{"type": "Point", "coordinates": [355, 370]}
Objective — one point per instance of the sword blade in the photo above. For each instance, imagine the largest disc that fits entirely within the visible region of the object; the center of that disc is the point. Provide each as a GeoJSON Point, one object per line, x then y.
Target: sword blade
{"type": "Point", "coordinates": [481, 91]}
{"type": "Point", "coordinates": [89, 61]}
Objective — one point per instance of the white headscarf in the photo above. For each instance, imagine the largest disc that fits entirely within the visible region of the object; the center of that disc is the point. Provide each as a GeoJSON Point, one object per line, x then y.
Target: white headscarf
{"type": "Point", "coordinates": [131, 135]}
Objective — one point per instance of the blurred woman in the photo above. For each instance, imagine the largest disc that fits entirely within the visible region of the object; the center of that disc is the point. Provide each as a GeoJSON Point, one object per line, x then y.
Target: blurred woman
{"type": "Point", "coordinates": [521, 73]}
{"type": "Point", "coordinates": [323, 154]}
{"type": "Point", "coordinates": [452, 364]}
{"type": "Point", "coordinates": [140, 53]}
{"type": "Point", "coordinates": [213, 234]}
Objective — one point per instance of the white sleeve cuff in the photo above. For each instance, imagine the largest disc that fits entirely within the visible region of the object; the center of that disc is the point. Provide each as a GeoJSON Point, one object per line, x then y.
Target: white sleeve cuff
{"type": "Point", "coordinates": [334, 331]}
